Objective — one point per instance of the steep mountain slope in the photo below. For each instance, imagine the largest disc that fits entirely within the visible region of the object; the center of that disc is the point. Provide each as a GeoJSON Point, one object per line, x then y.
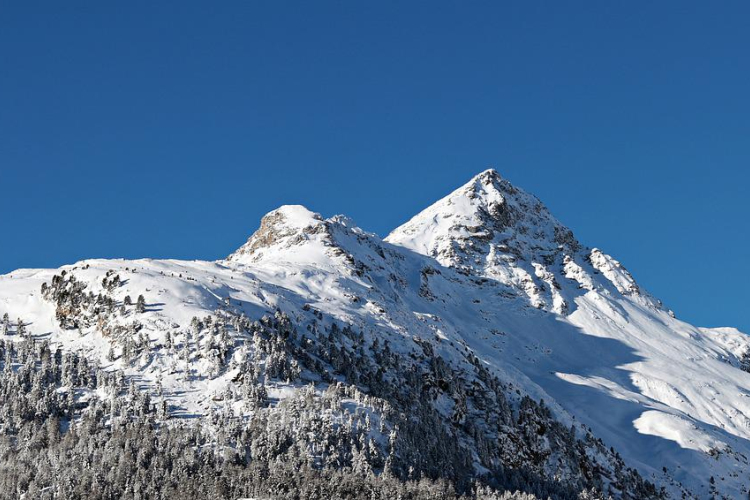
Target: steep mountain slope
{"type": "Point", "coordinates": [612, 356]}
{"type": "Point", "coordinates": [446, 334]}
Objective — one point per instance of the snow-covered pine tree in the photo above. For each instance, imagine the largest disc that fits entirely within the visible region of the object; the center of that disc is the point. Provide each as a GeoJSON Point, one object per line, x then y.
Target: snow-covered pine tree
{"type": "Point", "coordinates": [140, 304]}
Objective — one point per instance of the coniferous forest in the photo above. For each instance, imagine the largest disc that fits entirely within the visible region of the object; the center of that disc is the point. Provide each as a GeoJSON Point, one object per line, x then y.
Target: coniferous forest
{"type": "Point", "coordinates": [362, 421]}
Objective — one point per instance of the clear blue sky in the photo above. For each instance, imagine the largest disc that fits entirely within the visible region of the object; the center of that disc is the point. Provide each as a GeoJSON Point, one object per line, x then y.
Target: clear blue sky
{"type": "Point", "coordinates": [147, 129]}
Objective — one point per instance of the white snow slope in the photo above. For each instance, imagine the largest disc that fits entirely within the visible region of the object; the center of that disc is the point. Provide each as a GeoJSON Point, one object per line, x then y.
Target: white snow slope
{"type": "Point", "coordinates": [486, 269]}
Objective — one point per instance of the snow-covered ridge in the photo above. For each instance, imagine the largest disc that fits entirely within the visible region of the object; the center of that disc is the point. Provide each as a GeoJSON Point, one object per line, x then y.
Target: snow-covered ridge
{"type": "Point", "coordinates": [486, 272]}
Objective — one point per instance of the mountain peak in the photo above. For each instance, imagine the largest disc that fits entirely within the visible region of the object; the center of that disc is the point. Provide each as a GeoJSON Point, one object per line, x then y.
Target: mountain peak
{"type": "Point", "coordinates": [284, 227]}
{"type": "Point", "coordinates": [295, 215]}
{"type": "Point", "coordinates": [288, 219]}
{"type": "Point", "coordinates": [487, 209]}
{"type": "Point", "coordinates": [488, 175]}
{"type": "Point", "coordinates": [492, 229]}
{"type": "Point", "coordinates": [293, 236]}
{"type": "Point", "coordinates": [488, 182]}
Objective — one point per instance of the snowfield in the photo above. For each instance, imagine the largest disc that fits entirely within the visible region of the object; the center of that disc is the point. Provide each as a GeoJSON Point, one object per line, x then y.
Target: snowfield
{"type": "Point", "coordinates": [486, 270]}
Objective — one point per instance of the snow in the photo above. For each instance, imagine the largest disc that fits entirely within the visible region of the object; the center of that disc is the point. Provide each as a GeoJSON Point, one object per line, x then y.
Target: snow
{"type": "Point", "coordinates": [486, 268]}
{"type": "Point", "coordinates": [677, 429]}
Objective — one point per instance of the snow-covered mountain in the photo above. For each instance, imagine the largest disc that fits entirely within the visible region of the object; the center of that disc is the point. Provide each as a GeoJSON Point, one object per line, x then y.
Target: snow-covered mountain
{"type": "Point", "coordinates": [467, 316]}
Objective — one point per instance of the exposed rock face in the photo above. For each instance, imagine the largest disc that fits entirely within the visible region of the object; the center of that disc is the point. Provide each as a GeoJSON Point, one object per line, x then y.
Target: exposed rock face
{"type": "Point", "coordinates": [286, 226]}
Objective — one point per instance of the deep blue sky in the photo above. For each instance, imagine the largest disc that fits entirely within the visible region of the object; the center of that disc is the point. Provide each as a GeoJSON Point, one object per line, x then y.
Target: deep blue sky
{"type": "Point", "coordinates": [167, 130]}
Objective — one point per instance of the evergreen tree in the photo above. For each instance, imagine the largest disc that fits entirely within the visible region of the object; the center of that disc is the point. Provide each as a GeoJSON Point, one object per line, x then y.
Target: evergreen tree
{"type": "Point", "coordinates": [140, 304]}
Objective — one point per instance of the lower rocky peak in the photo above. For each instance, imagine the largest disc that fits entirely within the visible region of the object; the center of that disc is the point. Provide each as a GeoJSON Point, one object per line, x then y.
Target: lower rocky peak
{"type": "Point", "coordinates": [284, 227]}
